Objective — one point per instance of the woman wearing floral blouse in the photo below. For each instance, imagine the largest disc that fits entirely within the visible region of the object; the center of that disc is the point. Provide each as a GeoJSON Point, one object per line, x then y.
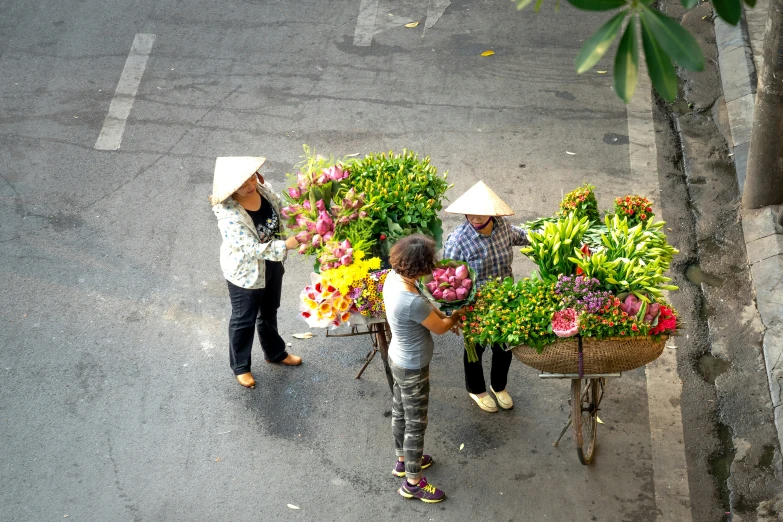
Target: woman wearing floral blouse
{"type": "Point", "coordinates": [485, 240]}
{"type": "Point", "coordinates": [251, 257]}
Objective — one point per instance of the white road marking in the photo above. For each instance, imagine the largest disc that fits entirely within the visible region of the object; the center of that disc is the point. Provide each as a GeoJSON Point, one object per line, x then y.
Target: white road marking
{"type": "Point", "coordinates": [664, 387]}
{"type": "Point", "coordinates": [365, 23]}
{"type": "Point", "coordinates": [120, 107]}
{"type": "Point", "coordinates": [435, 10]}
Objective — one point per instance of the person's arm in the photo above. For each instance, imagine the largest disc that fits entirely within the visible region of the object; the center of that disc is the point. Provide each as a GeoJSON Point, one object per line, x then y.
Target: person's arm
{"type": "Point", "coordinates": [440, 325]}
{"type": "Point", "coordinates": [244, 242]}
{"type": "Point", "coordinates": [519, 236]}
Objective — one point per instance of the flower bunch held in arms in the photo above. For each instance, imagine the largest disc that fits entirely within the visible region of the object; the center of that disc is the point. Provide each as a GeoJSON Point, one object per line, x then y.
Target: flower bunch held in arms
{"type": "Point", "coordinates": [367, 294]}
{"type": "Point", "coordinates": [581, 202]}
{"type": "Point", "coordinates": [581, 293]}
{"type": "Point", "coordinates": [635, 208]}
{"type": "Point", "coordinates": [346, 275]}
{"type": "Point", "coordinates": [403, 196]}
{"type": "Point", "coordinates": [450, 285]}
{"type": "Point", "coordinates": [322, 304]}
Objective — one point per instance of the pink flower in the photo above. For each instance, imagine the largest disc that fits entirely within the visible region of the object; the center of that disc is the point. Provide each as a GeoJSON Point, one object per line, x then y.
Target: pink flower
{"type": "Point", "coordinates": [320, 205]}
{"type": "Point", "coordinates": [449, 295]}
{"type": "Point", "coordinates": [307, 205]}
{"type": "Point", "coordinates": [302, 181]}
{"type": "Point", "coordinates": [335, 173]}
{"type": "Point", "coordinates": [461, 272]}
{"type": "Point", "coordinates": [363, 214]}
{"type": "Point", "coordinates": [303, 236]}
{"type": "Point", "coordinates": [317, 240]}
{"type": "Point", "coordinates": [346, 260]}
{"type": "Point", "coordinates": [438, 293]}
{"type": "Point", "coordinates": [328, 236]}
{"type": "Point", "coordinates": [462, 293]}
{"type": "Point", "coordinates": [294, 192]}
{"type": "Point", "coordinates": [345, 244]}
{"type": "Point", "coordinates": [322, 179]}
{"type": "Point", "coordinates": [353, 216]}
{"type": "Point", "coordinates": [565, 323]}
{"type": "Point", "coordinates": [284, 212]}
{"type": "Point", "coordinates": [303, 249]}
{"type": "Point", "coordinates": [467, 283]}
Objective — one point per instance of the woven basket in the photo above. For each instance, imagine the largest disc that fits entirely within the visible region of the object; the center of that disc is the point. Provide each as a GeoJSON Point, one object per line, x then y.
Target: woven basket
{"type": "Point", "coordinates": [618, 354]}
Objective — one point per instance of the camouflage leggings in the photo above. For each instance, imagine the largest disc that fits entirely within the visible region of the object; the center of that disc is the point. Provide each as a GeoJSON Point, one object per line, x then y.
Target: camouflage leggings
{"type": "Point", "coordinates": [409, 415]}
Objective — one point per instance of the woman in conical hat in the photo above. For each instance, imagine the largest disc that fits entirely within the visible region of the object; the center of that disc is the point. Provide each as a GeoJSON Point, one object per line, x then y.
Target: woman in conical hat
{"type": "Point", "coordinates": [486, 241]}
{"type": "Point", "coordinates": [251, 257]}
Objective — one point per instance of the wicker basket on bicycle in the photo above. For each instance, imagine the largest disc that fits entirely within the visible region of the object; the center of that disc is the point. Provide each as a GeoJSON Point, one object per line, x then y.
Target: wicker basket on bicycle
{"type": "Point", "coordinates": [616, 354]}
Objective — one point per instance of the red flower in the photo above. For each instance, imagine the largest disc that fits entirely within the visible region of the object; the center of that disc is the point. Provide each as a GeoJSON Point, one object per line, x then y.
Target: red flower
{"type": "Point", "coordinates": [643, 216]}
{"type": "Point", "coordinates": [306, 315]}
{"type": "Point", "coordinates": [611, 323]}
{"type": "Point", "coordinates": [635, 328]}
{"type": "Point", "coordinates": [383, 237]}
{"type": "Point", "coordinates": [579, 270]}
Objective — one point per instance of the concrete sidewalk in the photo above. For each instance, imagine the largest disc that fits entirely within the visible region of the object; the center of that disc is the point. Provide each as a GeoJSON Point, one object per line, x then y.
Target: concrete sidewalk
{"type": "Point", "coordinates": [739, 56]}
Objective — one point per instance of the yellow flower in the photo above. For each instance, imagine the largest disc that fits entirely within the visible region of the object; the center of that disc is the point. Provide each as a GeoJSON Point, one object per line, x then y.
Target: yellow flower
{"type": "Point", "coordinates": [312, 305]}
{"type": "Point", "coordinates": [342, 304]}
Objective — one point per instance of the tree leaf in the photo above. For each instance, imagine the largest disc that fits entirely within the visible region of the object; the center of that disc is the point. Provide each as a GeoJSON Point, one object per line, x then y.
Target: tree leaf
{"type": "Point", "coordinates": [626, 63]}
{"type": "Point", "coordinates": [596, 46]}
{"type": "Point", "coordinates": [488, 53]}
{"type": "Point", "coordinates": [675, 41]}
{"type": "Point", "coordinates": [597, 5]}
{"type": "Point", "coordinates": [689, 4]}
{"type": "Point", "coordinates": [412, 25]}
{"type": "Point", "coordinates": [750, 3]}
{"type": "Point", "coordinates": [538, 5]}
{"type": "Point", "coordinates": [659, 66]}
{"type": "Point", "coordinates": [729, 10]}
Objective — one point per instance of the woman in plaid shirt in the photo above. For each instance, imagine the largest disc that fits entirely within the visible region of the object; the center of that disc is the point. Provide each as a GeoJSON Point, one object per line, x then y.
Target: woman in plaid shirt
{"type": "Point", "coordinates": [485, 241]}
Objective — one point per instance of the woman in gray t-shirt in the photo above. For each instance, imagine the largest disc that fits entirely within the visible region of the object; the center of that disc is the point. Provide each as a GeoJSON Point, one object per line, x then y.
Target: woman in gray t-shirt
{"type": "Point", "coordinates": [412, 319]}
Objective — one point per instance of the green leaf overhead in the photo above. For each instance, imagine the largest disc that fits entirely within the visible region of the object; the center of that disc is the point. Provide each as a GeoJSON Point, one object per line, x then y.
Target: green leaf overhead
{"type": "Point", "coordinates": [729, 10]}
{"type": "Point", "coordinates": [659, 66]}
{"type": "Point", "coordinates": [673, 39]}
{"type": "Point", "coordinates": [521, 4]}
{"type": "Point", "coordinates": [597, 5]}
{"type": "Point", "coordinates": [750, 3]}
{"type": "Point", "coordinates": [626, 63]}
{"type": "Point", "coordinates": [689, 4]}
{"type": "Point", "coordinates": [596, 46]}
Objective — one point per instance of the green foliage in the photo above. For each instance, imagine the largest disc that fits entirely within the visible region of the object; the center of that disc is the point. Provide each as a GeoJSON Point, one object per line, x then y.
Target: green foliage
{"type": "Point", "coordinates": [626, 64]}
{"type": "Point", "coordinates": [581, 201]}
{"type": "Point", "coordinates": [402, 196]}
{"type": "Point", "coordinates": [513, 313]}
{"type": "Point", "coordinates": [664, 41]}
{"type": "Point", "coordinates": [553, 248]}
{"type": "Point", "coordinates": [632, 259]}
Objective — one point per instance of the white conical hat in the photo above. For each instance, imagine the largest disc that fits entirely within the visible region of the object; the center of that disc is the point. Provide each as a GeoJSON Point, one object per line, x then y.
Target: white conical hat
{"type": "Point", "coordinates": [231, 173]}
{"type": "Point", "coordinates": [480, 200]}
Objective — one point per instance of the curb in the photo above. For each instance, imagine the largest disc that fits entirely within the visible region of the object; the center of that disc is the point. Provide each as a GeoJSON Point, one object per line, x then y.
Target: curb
{"type": "Point", "coordinates": [763, 237]}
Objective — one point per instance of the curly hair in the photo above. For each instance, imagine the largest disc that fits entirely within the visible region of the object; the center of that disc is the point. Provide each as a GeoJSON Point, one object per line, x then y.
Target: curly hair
{"type": "Point", "coordinates": [413, 256]}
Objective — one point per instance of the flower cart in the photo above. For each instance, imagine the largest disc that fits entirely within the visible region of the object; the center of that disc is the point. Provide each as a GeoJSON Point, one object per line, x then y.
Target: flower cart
{"type": "Point", "coordinates": [593, 309]}
{"type": "Point", "coordinates": [348, 213]}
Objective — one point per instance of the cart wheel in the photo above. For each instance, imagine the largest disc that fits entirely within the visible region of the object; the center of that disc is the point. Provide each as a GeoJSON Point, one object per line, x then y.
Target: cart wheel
{"type": "Point", "coordinates": [584, 413]}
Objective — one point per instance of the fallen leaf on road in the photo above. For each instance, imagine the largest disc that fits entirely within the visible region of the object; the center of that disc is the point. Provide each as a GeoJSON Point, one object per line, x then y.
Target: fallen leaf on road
{"type": "Point", "coordinates": [305, 335]}
{"type": "Point", "coordinates": [597, 418]}
{"type": "Point", "coordinates": [412, 24]}
{"type": "Point", "coordinates": [217, 459]}
{"type": "Point", "coordinates": [352, 155]}
{"type": "Point", "coordinates": [601, 72]}
{"type": "Point", "coordinates": [293, 506]}
{"type": "Point", "coordinates": [488, 53]}
{"type": "Point", "coordinates": [461, 446]}
{"type": "Point", "coordinates": [571, 153]}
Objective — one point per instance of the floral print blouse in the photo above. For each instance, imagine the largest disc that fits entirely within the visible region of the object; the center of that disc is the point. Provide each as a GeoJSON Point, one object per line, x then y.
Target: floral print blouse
{"type": "Point", "coordinates": [242, 254]}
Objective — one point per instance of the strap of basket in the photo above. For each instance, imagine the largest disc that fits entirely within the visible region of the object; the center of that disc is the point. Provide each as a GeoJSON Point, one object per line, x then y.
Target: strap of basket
{"type": "Point", "coordinates": [581, 357]}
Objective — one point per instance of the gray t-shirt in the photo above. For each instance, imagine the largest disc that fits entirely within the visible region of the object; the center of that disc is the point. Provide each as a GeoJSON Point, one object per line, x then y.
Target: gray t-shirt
{"type": "Point", "coordinates": [411, 346]}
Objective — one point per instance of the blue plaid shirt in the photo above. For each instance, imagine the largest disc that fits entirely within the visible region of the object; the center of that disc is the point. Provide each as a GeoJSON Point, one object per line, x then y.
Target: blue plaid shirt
{"type": "Point", "coordinates": [490, 256]}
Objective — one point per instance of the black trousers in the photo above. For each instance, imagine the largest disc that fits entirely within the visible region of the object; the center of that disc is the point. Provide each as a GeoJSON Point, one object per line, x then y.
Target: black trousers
{"type": "Point", "coordinates": [253, 310]}
{"type": "Point", "coordinates": [474, 372]}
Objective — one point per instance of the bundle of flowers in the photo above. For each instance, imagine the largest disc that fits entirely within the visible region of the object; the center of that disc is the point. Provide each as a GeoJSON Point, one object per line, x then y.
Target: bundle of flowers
{"type": "Point", "coordinates": [350, 211]}
{"type": "Point", "coordinates": [367, 294]}
{"type": "Point", "coordinates": [450, 285]}
{"type": "Point", "coordinates": [635, 208]}
{"type": "Point", "coordinates": [322, 305]}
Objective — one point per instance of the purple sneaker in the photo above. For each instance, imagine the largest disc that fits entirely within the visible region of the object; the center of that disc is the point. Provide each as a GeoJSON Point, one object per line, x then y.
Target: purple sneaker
{"type": "Point", "coordinates": [423, 491]}
{"type": "Point", "coordinates": [399, 467]}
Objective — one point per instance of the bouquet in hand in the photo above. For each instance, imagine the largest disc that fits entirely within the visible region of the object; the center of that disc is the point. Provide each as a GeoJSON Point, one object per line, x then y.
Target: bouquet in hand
{"type": "Point", "coordinates": [450, 285]}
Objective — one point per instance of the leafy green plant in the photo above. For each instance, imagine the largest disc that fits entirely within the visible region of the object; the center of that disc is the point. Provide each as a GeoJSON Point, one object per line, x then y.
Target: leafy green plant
{"type": "Point", "coordinates": [581, 202]}
{"type": "Point", "coordinates": [402, 195]}
{"type": "Point", "coordinates": [631, 259]}
{"type": "Point", "coordinates": [552, 249]}
{"type": "Point", "coordinates": [664, 41]}
{"type": "Point", "coordinates": [513, 313]}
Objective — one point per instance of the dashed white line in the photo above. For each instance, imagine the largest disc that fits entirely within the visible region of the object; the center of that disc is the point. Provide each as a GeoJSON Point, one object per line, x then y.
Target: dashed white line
{"type": "Point", "coordinates": [365, 23]}
{"type": "Point", "coordinates": [120, 107]}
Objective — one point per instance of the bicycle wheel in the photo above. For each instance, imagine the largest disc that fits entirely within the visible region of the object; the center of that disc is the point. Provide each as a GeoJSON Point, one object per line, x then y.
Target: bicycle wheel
{"type": "Point", "coordinates": [584, 414]}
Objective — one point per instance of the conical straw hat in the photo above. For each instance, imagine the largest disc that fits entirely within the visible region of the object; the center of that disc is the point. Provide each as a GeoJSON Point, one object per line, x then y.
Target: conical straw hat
{"type": "Point", "coordinates": [231, 173]}
{"type": "Point", "coordinates": [480, 200]}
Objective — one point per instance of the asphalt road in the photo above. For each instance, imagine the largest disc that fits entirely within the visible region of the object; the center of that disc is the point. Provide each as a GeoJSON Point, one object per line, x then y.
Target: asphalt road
{"type": "Point", "coordinates": [117, 402]}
